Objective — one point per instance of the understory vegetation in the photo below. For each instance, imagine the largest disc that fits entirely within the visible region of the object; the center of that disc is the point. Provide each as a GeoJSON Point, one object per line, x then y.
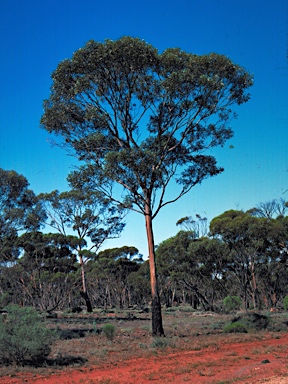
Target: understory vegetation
{"type": "Point", "coordinates": [69, 339]}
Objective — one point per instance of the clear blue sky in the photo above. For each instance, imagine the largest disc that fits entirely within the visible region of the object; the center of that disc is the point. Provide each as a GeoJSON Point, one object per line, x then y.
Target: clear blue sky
{"type": "Point", "coordinates": [37, 34]}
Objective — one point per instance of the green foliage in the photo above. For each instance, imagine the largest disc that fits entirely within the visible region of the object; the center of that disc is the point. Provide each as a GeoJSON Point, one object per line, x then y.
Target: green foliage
{"type": "Point", "coordinates": [183, 261]}
{"type": "Point", "coordinates": [285, 303]}
{"type": "Point", "coordinates": [253, 321]}
{"type": "Point", "coordinates": [235, 327]}
{"type": "Point", "coordinates": [19, 210]}
{"type": "Point", "coordinates": [160, 343]}
{"type": "Point", "coordinates": [250, 321]}
{"type": "Point", "coordinates": [155, 114]}
{"type": "Point", "coordinates": [257, 248]}
{"type": "Point", "coordinates": [231, 303]}
{"type": "Point", "coordinates": [23, 337]}
{"type": "Point", "coordinates": [109, 331]}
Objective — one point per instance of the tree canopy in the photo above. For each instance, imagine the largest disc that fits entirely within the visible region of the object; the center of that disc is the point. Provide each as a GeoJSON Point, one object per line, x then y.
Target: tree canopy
{"type": "Point", "coordinates": [19, 211]}
{"type": "Point", "coordinates": [138, 118]}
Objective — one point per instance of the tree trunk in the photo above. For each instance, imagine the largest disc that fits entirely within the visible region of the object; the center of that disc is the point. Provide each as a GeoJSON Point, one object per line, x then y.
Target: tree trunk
{"type": "Point", "coordinates": [157, 327]}
{"type": "Point", "coordinates": [254, 286]}
{"type": "Point", "coordinates": [84, 293]}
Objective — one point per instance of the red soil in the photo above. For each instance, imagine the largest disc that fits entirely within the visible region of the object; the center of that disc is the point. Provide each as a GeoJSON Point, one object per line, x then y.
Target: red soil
{"type": "Point", "coordinates": [227, 363]}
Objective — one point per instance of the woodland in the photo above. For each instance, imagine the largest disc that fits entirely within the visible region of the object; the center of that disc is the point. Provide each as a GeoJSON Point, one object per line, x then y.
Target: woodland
{"type": "Point", "coordinates": [239, 254]}
{"type": "Point", "coordinates": [136, 119]}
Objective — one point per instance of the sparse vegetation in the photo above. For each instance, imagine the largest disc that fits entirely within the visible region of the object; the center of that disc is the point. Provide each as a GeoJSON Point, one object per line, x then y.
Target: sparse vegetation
{"type": "Point", "coordinates": [187, 332]}
{"type": "Point", "coordinates": [235, 327]}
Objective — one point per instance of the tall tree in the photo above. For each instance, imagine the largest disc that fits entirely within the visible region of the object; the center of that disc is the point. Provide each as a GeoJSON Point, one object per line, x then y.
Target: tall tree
{"type": "Point", "coordinates": [87, 214]}
{"type": "Point", "coordinates": [138, 118]}
{"type": "Point", "coordinates": [19, 211]}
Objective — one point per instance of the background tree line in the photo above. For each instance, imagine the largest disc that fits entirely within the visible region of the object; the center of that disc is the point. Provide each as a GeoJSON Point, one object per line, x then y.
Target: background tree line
{"type": "Point", "coordinates": [240, 253]}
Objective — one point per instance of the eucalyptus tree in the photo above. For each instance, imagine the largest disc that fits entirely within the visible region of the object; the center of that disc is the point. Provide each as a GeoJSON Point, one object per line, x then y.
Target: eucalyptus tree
{"type": "Point", "coordinates": [257, 252]}
{"type": "Point", "coordinates": [115, 265]}
{"type": "Point", "coordinates": [196, 267]}
{"type": "Point", "coordinates": [19, 211]}
{"type": "Point", "coordinates": [199, 225]}
{"type": "Point", "coordinates": [91, 219]}
{"type": "Point", "coordinates": [45, 272]}
{"type": "Point", "coordinates": [138, 119]}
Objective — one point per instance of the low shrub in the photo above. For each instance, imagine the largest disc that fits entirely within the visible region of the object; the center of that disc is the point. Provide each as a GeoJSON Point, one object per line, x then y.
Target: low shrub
{"type": "Point", "coordinates": [231, 303]}
{"type": "Point", "coordinates": [24, 338]}
{"type": "Point", "coordinates": [109, 331]}
{"type": "Point", "coordinates": [235, 327]}
{"type": "Point", "coordinates": [160, 343]}
{"type": "Point", "coordinates": [257, 321]}
{"type": "Point", "coordinates": [253, 320]}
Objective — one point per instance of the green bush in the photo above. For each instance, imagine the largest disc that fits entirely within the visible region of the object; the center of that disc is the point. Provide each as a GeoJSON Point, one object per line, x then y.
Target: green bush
{"type": "Point", "coordinates": [24, 339]}
{"type": "Point", "coordinates": [109, 331]}
{"type": "Point", "coordinates": [160, 343]}
{"type": "Point", "coordinates": [235, 327]}
{"type": "Point", "coordinates": [285, 302]}
{"type": "Point", "coordinates": [232, 303]}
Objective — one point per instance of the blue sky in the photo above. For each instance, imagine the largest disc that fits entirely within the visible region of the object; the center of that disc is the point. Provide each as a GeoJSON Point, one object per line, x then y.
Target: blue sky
{"type": "Point", "coordinates": [36, 35]}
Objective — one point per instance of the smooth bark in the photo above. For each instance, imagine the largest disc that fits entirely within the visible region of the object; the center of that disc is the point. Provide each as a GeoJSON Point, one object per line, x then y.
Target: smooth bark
{"type": "Point", "coordinates": [157, 325]}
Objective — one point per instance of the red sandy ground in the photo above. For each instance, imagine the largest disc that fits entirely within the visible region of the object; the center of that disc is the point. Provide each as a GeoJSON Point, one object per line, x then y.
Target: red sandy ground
{"type": "Point", "coordinates": [227, 363]}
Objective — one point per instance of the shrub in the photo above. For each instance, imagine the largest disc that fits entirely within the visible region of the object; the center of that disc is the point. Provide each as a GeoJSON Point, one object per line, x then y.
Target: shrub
{"type": "Point", "coordinates": [253, 320]}
{"type": "Point", "coordinates": [285, 302]}
{"type": "Point", "coordinates": [109, 331]}
{"type": "Point", "coordinates": [232, 303]}
{"type": "Point", "coordinates": [235, 327]}
{"type": "Point", "coordinates": [160, 343]}
{"type": "Point", "coordinates": [257, 321]}
{"type": "Point", "coordinates": [24, 339]}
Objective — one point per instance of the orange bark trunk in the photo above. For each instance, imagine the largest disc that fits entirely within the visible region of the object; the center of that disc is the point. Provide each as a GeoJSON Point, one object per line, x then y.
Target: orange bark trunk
{"type": "Point", "coordinates": [157, 326]}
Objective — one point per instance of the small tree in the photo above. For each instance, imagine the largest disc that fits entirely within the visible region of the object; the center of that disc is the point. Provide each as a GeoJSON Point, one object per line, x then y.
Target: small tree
{"type": "Point", "coordinates": [139, 119]}
{"type": "Point", "coordinates": [90, 216]}
{"type": "Point", "coordinates": [23, 337]}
